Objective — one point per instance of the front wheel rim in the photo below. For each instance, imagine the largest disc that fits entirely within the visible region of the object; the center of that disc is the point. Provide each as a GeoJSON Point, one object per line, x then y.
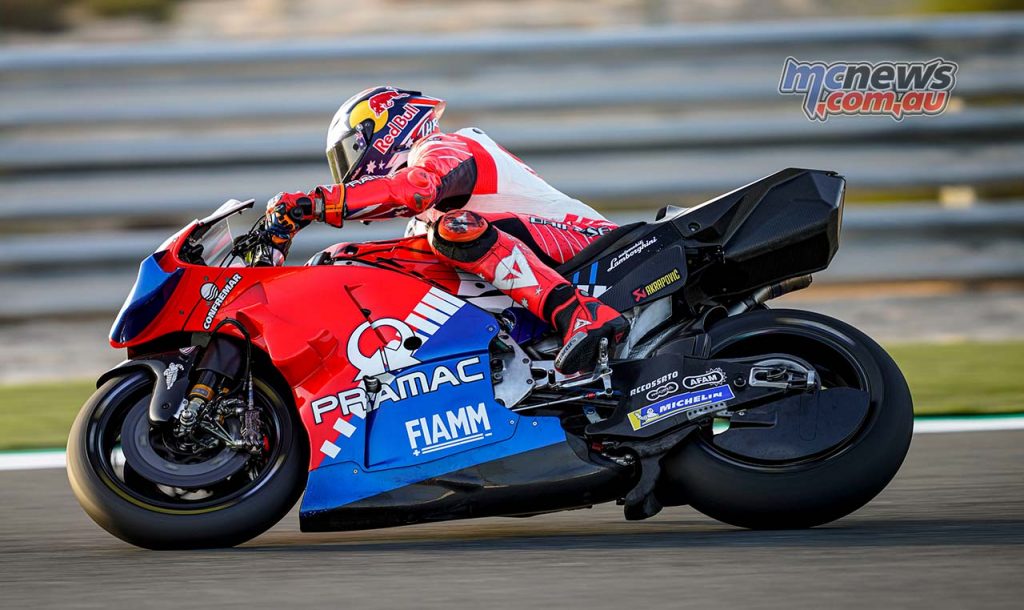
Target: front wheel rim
{"type": "Point", "coordinates": [105, 458]}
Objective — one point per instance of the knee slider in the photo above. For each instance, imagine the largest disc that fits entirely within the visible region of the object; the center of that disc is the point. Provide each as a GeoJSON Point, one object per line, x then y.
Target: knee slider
{"type": "Point", "coordinates": [463, 236]}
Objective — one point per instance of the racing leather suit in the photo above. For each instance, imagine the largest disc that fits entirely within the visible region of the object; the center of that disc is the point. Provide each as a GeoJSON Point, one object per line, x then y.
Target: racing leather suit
{"type": "Point", "coordinates": [486, 212]}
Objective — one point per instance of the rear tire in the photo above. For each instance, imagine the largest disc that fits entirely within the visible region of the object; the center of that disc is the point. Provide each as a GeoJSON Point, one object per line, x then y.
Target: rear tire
{"type": "Point", "coordinates": [155, 526]}
{"type": "Point", "coordinates": [806, 494]}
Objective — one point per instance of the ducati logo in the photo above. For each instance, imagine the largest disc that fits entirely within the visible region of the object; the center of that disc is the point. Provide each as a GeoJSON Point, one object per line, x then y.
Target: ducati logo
{"type": "Point", "coordinates": [514, 271]}
{"type": "Point", "coordinates": [394, 355]}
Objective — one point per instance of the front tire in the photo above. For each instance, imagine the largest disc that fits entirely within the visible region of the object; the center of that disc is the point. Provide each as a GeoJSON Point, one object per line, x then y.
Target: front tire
{"type": "Point", "coordinates": [808, 493]}
{"type": "Point", "coordinates": [113, 500]}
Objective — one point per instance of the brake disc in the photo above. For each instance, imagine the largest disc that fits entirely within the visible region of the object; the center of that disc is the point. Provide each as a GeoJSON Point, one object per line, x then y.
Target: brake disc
{"type": "Point", "coordinates": [139, 453]}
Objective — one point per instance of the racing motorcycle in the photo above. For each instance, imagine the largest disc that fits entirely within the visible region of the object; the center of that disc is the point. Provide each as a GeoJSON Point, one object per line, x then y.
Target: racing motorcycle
{"type": "Point", "coordinates": [393, 390]}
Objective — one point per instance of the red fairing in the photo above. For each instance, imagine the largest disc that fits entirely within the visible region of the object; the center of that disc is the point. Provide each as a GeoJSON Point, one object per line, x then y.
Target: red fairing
{"type": "Point", "coordinates": [312, 352]}
{"type": "Point", "coordinates": [412, 254]}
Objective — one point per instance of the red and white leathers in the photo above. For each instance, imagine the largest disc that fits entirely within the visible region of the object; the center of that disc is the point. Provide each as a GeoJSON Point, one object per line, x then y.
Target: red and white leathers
{"type": "Point", "coordinates": [486, 212]}
{"type": "Point", "coordinates": [466, 165]}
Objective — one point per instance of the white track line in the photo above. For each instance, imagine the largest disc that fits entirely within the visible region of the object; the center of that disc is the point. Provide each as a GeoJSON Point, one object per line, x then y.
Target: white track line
{"type": "Point", "coordinates": [32, 460]}
{"type": "Point", "coordinates": [37, 460]}
{"type": "Point", "coordinates": [934, 425]}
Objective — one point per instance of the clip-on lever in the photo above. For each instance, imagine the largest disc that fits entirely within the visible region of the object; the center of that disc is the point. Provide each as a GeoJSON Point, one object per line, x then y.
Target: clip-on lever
{"type": "Point", "coordinates": [244, 244]}
{"type": "Point", "coordinates": [254, 248]}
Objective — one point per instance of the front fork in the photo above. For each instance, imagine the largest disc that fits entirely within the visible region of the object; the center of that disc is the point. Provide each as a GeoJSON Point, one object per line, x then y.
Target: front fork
{"type": "Point", "coordinates": [223, 368]}
{"type": "Point", "coordinates": [221, 363]}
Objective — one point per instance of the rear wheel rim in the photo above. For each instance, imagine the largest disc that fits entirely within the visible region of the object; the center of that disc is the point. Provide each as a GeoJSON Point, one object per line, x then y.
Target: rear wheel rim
{"type": "Point", "coordinates": [835, 365]}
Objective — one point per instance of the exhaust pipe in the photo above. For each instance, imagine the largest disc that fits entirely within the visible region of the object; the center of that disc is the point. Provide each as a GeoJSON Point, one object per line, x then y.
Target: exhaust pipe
{"type": "Point", "coordinates": [770, 292]}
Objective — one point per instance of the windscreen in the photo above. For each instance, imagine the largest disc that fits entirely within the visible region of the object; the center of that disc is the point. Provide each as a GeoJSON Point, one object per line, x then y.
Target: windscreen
{"type": "Point", "coordinates": [214, 238]}
{"type": "Point", "coordinates": [216, 244]}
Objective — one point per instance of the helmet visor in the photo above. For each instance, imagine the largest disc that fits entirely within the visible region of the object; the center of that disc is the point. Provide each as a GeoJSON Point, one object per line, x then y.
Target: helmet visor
{"type": "Point", "coordinates": [346, 154]}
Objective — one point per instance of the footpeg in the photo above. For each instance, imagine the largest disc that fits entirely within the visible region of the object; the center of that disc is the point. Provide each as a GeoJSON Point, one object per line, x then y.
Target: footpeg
{"type": "Point", "coordinates": [602, 372]}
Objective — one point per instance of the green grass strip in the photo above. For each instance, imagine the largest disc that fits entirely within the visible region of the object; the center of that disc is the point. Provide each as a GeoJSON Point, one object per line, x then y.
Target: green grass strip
{"type": "Point", "coordinates": [963, 378]}
{"type": "Point", "coordinates": [40, 415]}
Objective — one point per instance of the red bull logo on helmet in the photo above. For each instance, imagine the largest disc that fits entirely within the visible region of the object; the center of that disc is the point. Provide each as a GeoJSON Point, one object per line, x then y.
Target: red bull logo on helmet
{"type": "Point", "coordinates": [394, 129]}
{"type": "Point", "coordinates": [381, 102]}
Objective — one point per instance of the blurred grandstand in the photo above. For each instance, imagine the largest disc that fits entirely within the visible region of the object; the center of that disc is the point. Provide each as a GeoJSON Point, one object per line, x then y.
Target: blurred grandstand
{"type": "Point", "coordinates": [108, 147]}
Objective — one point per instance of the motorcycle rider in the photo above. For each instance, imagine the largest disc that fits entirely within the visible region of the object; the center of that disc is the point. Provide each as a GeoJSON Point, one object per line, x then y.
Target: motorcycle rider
{"type": "Point", "coordinates": [484, 211]}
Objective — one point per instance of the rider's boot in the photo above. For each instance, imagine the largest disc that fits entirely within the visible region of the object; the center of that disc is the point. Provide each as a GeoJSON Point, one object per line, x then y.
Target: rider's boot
{"type": "Point", "coordinates": [467, 241]}
{"type": "Point", "coordinates": [583, 321]}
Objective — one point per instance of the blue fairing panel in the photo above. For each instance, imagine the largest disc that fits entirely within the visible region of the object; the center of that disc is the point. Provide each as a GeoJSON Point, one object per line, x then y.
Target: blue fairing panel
{"type": "Point", "coordinates": [429, 419]}
{"type": "Point", "coordinates": [347, 482]}
{"type": "Point", "coordinates": [153, 287]}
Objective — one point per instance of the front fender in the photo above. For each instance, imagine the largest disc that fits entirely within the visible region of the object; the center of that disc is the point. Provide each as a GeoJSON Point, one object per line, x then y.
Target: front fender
{"type": "Point", "coordinates": [170, 372]}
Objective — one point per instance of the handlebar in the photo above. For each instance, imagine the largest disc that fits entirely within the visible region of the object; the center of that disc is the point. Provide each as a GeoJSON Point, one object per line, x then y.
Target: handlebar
{"type": "Point", "coordinates": [255, 247]}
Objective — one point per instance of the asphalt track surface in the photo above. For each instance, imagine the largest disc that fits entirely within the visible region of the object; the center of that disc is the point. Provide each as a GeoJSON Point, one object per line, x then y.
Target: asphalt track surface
{"type": "Point", "coordinates": [947, 533]}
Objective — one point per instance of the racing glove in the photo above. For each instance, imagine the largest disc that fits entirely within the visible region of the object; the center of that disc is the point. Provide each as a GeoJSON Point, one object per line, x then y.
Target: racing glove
{"type": "Point", "coordinates": [286, 214]}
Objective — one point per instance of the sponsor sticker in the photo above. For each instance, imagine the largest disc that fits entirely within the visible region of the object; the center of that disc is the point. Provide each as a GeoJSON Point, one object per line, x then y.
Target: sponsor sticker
{"type": "Point", "coordinates": [693, 404]}
{"type": "Point", "coordinates": [366, 178]}
{"type": "Point", "coordinates": [662, 391]}
{"type": "Point", "coordinates": [712, 377]}
{"type": "Point", "coordinates": [514, 271]}
{"type": "Point", "coordinates": [447, 430]}
{"type": "Point", "coordinates": [210, 292]}
{"type": "Point", "coordinates": [381, 102]}
{"type": "Point", "coordinates": [657, 285]}
{"type": "Point", "coordinates": [653, 384]}
{"type": "Point", "coordinates": [631, 251]}
{"type": "Point", "coordinates": [355, 401]}
{"type": "Point", "coordinates": [426, 318]}
{"type": "Point", "coordinates": [394, 128]}
{"type": "Point", "coordinates": [393, 355]}
{"type": "Point", "coordinates": [171, 374]}
{"type": "Point", "coordinates": [377, 348]}
{"type": "Point", "coordinates": [589, 231]}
